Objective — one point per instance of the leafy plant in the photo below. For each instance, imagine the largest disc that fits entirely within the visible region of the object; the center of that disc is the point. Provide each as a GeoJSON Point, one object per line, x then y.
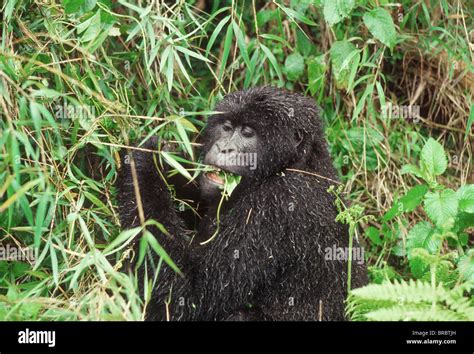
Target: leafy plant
{"type": "Point", "coordinates": [411, 301]}
{"type": "Point", "coordinates": [438, 252]}
{"type": "Point", "coordinates": [81, 80]}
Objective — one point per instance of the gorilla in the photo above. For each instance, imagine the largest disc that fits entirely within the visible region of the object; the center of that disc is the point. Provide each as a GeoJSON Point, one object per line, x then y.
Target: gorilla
{"type": "Point", "coordinates": [265, 250]}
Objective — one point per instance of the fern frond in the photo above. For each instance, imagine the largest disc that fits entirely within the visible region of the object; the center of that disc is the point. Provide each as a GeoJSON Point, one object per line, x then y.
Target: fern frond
{"type": "Point", "coordinates": [401, 292]}
{"type": "Point", "coordinates": [413, 313]}
{"type": "Point", "coordinates": [461, 305]}
{"type": "Point", "coordinates": [409, 301]}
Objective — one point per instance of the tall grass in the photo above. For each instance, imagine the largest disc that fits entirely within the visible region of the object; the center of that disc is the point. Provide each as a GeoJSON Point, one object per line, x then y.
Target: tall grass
{"type": "Point", "coordinates": [81, 79]}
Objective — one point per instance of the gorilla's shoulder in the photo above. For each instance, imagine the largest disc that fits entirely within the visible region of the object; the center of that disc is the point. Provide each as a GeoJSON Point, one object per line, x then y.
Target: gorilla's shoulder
{"type": "Point", "coordinates": [290, 195]}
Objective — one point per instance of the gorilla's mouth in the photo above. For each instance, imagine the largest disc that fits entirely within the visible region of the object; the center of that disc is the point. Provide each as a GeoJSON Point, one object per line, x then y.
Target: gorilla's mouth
{"type": "Point", "coordinates": [216, 177]}
{"type": "Point", "coordinates": [221, 177]}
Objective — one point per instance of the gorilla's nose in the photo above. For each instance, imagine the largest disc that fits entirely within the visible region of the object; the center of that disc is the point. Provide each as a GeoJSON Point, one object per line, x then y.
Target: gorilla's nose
{"type": "Point", "coordinates": [227, 150]}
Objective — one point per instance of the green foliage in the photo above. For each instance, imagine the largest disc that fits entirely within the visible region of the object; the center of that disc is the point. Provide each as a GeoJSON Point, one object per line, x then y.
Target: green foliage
{"type": "Point", "coordinates": [335, 11]}
{"type": "Point", "coordinates": [441, 206]}
{"type": "Point", "coordinates": [352, 216]}
{"type": "Point", "coordinates": [445, 273]}
{"type": "Point", "coordinates": [344, 56]}
{"type": "Point", "coordinates": [380, 24]}
{"type": "Point", "coordinates": [82, 79]}
{"type": "Point", "coordinates": [294, 66]}
{"type": "Point", "coordinates": [409, 301]}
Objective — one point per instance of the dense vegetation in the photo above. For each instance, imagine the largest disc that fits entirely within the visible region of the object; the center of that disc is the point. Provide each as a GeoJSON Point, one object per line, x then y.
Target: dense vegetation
{"type": "Point", "coordinates": [81, 79]}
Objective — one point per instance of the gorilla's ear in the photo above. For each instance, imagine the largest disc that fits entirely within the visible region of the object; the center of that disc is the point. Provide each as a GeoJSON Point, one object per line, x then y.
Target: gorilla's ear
{"type": "Point", "coordinates": [299, 136]}
{"type": "Point", "coordinates": [302, 148]}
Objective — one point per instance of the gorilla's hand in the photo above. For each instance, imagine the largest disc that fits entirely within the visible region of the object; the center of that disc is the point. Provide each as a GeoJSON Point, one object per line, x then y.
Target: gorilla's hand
{"type": "Point", "coordinates": [139, 170]}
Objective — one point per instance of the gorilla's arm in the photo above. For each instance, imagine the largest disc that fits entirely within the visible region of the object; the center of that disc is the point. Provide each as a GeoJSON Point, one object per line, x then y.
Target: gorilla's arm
{"type": "Point", "coordinates": [155, 197]}
{"type": "Point", "coordinates": [157, 205]}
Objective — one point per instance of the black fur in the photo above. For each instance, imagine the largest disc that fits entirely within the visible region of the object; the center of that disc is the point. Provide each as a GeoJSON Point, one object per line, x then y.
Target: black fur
{"type": "Point", "coordinates": [267, 261]}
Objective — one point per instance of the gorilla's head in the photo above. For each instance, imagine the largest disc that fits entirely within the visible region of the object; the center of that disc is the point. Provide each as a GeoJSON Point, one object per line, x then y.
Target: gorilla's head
{"type": "Point", "coordinates": [259, 133]}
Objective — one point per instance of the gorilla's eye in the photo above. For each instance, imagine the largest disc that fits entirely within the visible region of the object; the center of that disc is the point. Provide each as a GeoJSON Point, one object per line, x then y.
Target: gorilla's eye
{"type": "Point", "coordinates": [248, 132]}
{"type": "Point", "coordinates": [227, 127]}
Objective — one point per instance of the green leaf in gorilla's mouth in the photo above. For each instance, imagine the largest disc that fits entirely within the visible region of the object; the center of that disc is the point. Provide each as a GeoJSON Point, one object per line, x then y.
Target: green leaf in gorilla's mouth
{"type": "Point", "coordinates": [227, 181]}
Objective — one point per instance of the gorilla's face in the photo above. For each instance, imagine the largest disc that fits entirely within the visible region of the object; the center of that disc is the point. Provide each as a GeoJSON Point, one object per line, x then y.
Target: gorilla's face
{"type": "Point", "coordinates": [259, 133]}
{"type": "Point", "coordinates": [230, 147]}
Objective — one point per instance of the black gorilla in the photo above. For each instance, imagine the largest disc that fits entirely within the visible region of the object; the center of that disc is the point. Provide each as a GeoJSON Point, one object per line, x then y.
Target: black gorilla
{"type": "Point", "coordinates": [268, 259]}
